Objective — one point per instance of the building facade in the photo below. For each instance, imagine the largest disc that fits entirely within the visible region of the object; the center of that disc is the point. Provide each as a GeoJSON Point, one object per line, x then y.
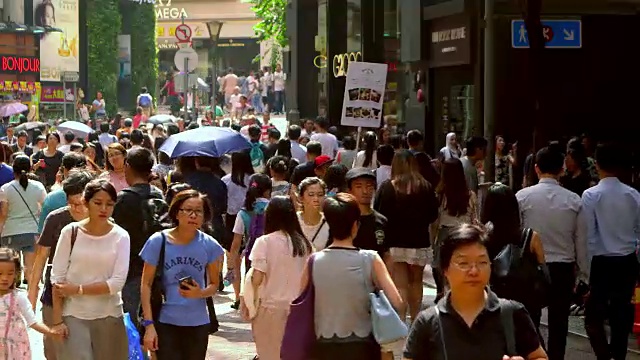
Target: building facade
{"type": "Point", "coordinates": [325, 36]}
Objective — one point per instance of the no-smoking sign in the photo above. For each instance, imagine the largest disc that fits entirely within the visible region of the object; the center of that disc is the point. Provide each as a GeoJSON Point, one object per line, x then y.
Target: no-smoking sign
{"type": "Point", "coordinates": [183, 33]}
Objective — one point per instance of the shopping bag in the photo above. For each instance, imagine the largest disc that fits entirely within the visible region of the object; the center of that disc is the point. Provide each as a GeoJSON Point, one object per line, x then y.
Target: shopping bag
{"type": "Point", "coordinates": [135, 350]}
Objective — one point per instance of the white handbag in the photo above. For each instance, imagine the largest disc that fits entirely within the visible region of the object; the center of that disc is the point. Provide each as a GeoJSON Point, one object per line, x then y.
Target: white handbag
{"type": "Point", "coordinates": [251, 298]}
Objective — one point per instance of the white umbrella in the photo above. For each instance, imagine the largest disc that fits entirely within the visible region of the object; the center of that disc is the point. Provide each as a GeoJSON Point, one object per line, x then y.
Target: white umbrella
{"type": "Point", "coordinates": [77, 128]}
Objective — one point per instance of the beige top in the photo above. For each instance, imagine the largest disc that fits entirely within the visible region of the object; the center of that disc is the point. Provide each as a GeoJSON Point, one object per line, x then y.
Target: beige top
{"type": "Point", "coordinates": [272, 254]}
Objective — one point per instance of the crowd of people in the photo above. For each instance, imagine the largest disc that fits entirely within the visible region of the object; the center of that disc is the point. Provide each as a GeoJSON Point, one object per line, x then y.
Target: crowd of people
{"type": "Point", "coordinates": [114, 226]}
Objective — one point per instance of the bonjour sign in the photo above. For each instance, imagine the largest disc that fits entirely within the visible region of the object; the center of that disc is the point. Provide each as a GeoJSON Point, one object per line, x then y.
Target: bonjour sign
{"type": "Point", "coordinates": [19, 64]}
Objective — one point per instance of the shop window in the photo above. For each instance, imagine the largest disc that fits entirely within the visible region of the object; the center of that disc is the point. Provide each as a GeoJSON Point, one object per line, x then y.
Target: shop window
{"type": "Point", "coordinates": [459, 117]}
{"type": "Point", "coordinates": [391, 55]}
{"type": "Point", "coordinates": [354, 26]}
{"type": "Point", "coordinates": [321, 60]}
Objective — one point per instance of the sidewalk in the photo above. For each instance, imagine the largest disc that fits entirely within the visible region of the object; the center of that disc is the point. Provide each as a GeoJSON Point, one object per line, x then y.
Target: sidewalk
{"type": "Point", "coordinates": [233, 341]}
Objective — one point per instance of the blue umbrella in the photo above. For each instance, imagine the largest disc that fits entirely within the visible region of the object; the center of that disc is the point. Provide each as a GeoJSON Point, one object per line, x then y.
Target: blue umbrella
{"type": "Point", "coordinates": [204, 141]}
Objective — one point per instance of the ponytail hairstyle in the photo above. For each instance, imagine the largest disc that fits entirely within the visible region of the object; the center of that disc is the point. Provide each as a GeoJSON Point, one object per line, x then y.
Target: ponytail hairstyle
{"type": "Point", "coordinates": [369, 140]}
{"type": "Point", "coordinates": [21, 167]}
{"type": "Point", "coordinates": [259, 185]}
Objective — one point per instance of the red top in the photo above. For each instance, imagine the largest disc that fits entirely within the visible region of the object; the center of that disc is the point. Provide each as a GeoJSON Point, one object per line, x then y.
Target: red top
{"type": "Point", "coordinates": [171, 88]}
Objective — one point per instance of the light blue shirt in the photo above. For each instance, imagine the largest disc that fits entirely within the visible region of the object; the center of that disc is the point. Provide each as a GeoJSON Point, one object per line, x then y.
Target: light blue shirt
{"type": "Point", "coordinates": [54, 201]}
{"type": "Point", "coordinates": [299, 152]}
{"type": "Point", "coordinates": [555, 213]}
{"type": "Point", "coordinates": [181, 261]}
{"type": "Point", "coordinates": [612, 211]}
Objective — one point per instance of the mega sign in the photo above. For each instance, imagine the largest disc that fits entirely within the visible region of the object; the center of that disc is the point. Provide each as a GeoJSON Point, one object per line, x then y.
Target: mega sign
{"type": "Point", "coordinates": [19, 64]}
{"type": "Point", "coordinates": [164, 11]}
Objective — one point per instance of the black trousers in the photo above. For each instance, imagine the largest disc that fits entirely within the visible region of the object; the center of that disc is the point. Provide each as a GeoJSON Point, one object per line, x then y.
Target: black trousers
{"type": "Point", "coordinates": [182, 342]}
{"type": "Point", "coordinates": [612, 282]}
{"type": "Point", "coordinates": [562, 284]}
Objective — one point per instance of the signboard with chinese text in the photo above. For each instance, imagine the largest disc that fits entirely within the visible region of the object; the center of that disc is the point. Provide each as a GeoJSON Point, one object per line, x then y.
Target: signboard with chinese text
{"type": "Point", "coordinates": [56, 94]}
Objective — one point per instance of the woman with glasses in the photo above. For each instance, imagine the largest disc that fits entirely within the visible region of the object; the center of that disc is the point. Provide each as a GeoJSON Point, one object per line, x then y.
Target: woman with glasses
{"type": "Point", "coordinates": [116, 155]}
{"type": "Point", "coordinates": [182, 329]}
{"type": "Point", "coordinates": [469, 322]}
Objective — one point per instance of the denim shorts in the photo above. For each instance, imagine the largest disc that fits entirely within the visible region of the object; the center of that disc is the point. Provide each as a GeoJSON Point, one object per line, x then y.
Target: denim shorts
{"type": "Point", "coordinates": [19, 242]}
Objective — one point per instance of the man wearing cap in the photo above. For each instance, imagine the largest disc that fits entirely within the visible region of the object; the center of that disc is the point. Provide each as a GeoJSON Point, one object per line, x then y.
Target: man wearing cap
{"type": "Point", "coordinates": [321, 163]}
{"type": "Point", "coordinates": [361, 183]}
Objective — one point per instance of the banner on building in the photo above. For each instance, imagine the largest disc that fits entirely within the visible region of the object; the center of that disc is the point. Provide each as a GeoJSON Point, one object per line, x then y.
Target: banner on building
{"type": "Point", "coordinates": [59, 51]}
{"type": "Point", "coordinates": [27, 87]}
{"type": "Point", "coordinates": [364, 94]}
{"type": "Point", "coordinates": [56, 94]}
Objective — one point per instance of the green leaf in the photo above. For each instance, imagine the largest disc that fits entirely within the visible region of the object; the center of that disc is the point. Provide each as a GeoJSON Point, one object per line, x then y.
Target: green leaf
{"type": "Point", "coordinates": [103, 27]}
{"type": "Point", "coordinates": [272, 26]}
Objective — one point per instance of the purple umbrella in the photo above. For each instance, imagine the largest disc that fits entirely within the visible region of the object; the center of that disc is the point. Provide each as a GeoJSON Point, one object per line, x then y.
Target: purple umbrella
{"type": "Point", "coordinates": [12, 109]}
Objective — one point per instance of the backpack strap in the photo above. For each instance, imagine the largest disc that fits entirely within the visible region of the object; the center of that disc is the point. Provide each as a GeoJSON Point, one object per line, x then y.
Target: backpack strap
{"type": "Point", "coordinates": [527, 235]}
{"type": "Point", "coordinates": [246, 219]}
{"type": "Point", "coordinates": [507, 309]}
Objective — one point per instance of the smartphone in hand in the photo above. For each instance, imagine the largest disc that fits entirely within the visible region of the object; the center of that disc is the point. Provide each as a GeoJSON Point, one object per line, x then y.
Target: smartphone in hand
{"type": "Point", "coordinates": [186, 280]}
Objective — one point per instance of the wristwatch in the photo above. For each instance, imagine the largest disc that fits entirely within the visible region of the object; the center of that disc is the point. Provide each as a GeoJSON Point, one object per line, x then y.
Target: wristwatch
{"type": "Point", "coordinates": [146, 323]}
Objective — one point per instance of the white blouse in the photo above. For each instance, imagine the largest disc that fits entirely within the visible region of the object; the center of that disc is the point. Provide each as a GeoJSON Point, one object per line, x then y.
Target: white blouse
{"type": "Point", "coordinates": [93, 259]}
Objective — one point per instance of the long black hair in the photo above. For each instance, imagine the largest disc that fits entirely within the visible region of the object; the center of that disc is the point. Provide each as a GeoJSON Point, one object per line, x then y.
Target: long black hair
{"type": "Point", "coordinates": [501, 213]}
{"type": "Point", "coordinates": [240, 167]}
{"type": "Point", "coordinates": [281, 216]}
{"type": "Point", "coordinates": [369, 140]}
{"type": "Point", "coordinates": [259, 184]}
{"type": "Point", "coordinates": [21, 167]}
{"type": "Point", "coordinates": [284, 148]}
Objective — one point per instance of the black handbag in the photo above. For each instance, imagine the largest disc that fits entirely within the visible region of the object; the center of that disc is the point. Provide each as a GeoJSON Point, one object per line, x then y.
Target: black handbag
{"type": "Point", "coordinates": [517, 275]}
{"type": "Point", "coordinates": [157, 290]}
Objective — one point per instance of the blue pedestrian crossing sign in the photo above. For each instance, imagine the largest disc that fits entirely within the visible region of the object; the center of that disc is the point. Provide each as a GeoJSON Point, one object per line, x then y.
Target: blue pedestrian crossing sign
{"type": "Point", "coordinates": [558, 34]}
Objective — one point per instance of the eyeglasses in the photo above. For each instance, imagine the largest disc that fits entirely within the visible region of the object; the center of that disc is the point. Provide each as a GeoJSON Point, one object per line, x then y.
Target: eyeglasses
{"type": "Point", "coordinates": [192, 212]}
{"type": "Point", "coordinates": [467, 266]}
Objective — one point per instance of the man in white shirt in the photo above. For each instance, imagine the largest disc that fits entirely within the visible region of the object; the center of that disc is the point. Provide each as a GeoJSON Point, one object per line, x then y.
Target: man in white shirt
{"type": "Point", "coordinates": [298, 152]}
{"type": "Point", "coordinates": [253, 93]}
{"type": "Point", "coordinates": [279, 78]}
{"type": "Point", "coordinates": [266, 82]}
{"type": "Point", "coordinates": [328, 141]}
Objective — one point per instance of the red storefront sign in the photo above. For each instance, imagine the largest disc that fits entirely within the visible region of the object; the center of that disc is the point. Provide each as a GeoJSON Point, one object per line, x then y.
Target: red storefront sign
{"type": "Point", "coordinates": [19, 64]}
{"type": "Point", "coordinates": [56, 94]}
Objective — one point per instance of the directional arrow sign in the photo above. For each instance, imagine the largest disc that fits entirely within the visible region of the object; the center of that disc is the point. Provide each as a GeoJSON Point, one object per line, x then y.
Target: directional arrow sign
{"type": "Point", "coordinates": [558, 34]}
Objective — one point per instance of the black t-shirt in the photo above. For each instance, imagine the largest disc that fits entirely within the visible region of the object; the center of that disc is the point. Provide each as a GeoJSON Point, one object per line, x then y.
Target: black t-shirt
{"type": "Point", "coordinates": [52, 165]}
{"type": "Point", "coordinates": [484, 340]}
{"type": "Point", "coordinates": [372, 233]}
{"type": "Point", "coordinates": [576, 184]}
{"type": "Point", "coordinates": [302, 172]}
{"type": "Point", "coordinates": [408, 215]}
{"type": "Point", "coordinates": [271, 151]}
{"type": "Point", "coordinates": [127, 214]}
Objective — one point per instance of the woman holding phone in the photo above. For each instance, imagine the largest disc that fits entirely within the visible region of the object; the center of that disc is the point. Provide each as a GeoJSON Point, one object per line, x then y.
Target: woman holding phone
{"type": "Point", "coordinates": [182, 329]}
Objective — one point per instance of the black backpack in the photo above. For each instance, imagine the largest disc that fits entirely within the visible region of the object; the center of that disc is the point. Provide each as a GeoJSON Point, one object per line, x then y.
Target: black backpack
{"type": "Point", "coordinates": [155, 213]}
{"type": "Point", "coordinates": [516, 274]}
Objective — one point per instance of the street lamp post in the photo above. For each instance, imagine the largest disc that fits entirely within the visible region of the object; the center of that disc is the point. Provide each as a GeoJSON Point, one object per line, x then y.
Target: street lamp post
{"type": "Point", "coordinates": [214, 27]}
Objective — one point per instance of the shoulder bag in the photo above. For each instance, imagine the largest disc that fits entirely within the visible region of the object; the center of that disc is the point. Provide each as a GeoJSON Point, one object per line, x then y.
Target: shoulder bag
{"type": "Point", "coordinates": [157, 290]}
{"type": "Point", "coordinates": [25, 203]}
{"type": "Point", "coordinates": [507, 308]}
{"type": "Point", "coordinates": [386, 325]}
{"type": "Point", "coordinates": [300, 329]}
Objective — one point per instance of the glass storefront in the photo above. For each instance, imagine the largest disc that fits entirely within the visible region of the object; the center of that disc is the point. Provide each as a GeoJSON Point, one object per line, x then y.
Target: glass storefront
{"type": "Point", "coordinates": [391, 55]}
{"type": "Point", "coordinates": [321, 61]}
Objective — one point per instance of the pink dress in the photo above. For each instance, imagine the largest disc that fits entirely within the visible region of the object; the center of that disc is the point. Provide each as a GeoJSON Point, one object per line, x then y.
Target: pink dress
{"type": "Point", "coordinates": [16, 344]}
{"type": "Point", "coordinates": [272, 254]}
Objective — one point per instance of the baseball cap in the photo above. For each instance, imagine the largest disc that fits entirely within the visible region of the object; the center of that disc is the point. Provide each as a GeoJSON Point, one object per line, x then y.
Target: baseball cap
{"type": "Point", "coordinates": [358, 173]}
{"type": "Point", "coordinates": [322, 160]}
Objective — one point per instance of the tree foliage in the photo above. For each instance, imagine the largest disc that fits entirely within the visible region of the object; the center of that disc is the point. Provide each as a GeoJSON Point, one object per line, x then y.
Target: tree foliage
{"type": "Point", "coordinates": [103, 27]}
{"type": "Point", "coordinates": [144, 54]}
{"type": "Point", "coordinates": [272, 28]}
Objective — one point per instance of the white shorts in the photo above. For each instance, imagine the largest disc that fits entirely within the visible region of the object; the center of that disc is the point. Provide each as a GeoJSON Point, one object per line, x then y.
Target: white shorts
{"type": "Point", "coordinates": [418, 257]}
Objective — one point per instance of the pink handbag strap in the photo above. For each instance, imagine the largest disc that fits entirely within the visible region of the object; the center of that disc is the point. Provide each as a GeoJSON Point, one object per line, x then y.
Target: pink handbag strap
{"type": "Point", "coordinates": [12, 301]}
